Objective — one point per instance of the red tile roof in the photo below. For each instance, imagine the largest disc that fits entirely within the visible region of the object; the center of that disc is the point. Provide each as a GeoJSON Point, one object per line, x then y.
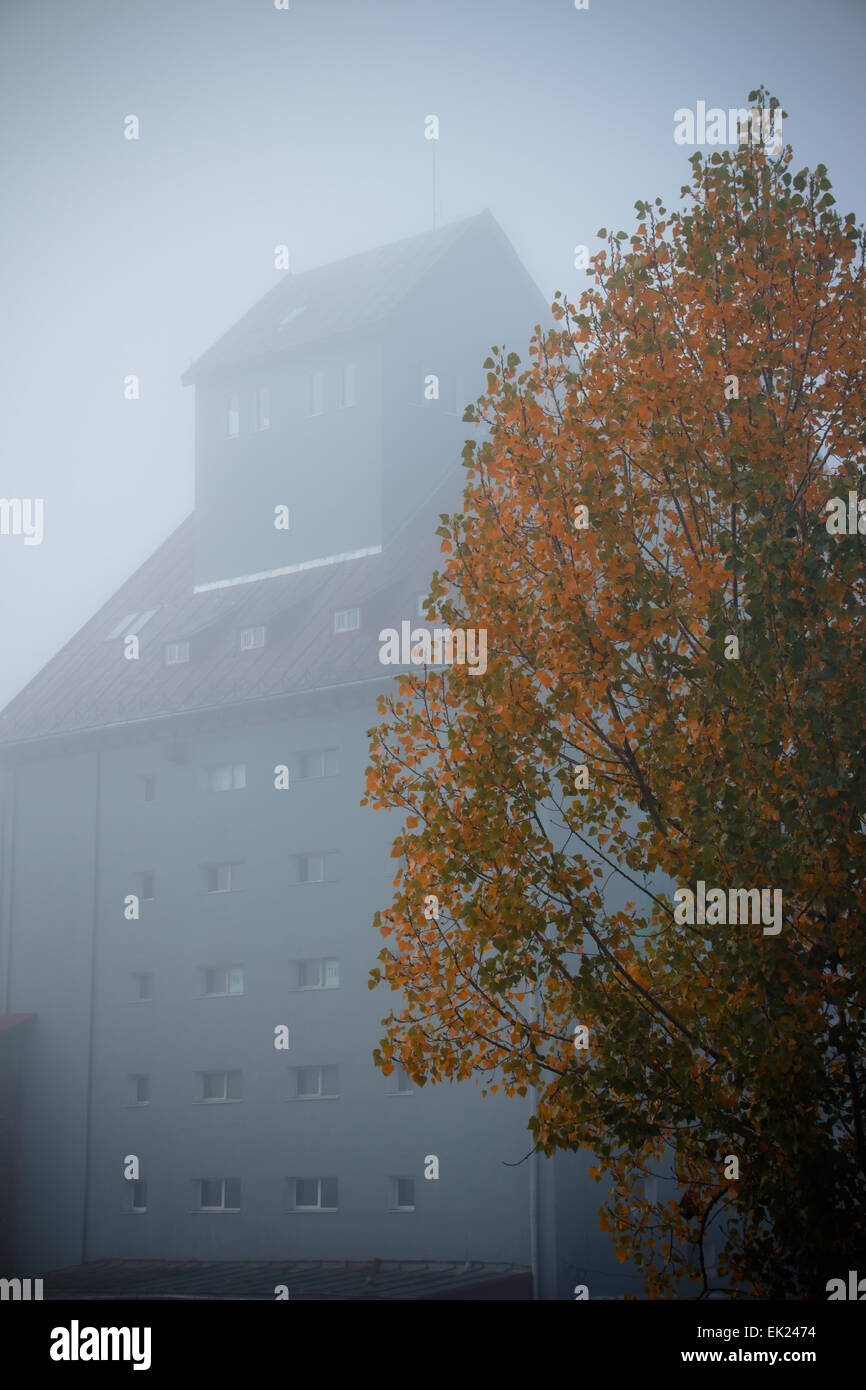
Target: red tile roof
{"type": "Point", "coordinates": [90, 685]}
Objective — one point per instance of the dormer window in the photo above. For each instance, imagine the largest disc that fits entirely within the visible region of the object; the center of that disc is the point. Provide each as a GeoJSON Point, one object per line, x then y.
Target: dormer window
{"type": "Point", "coordinates": [292, 315]}
{"type": "Point", "coordinates": [140, 622]}
{"type": "Point", "coordinates": [263, 408]}
{"type": "Point", "coordinates": [233, 417]}
{"type": "Point", "coordinates": [131, 624]}
{"type": "Point", "coordinates": [347, 619]}
{"type": "Point", "coordinates": [176, 653]}
{"type": "Point", "coordinates": [121, 627]}
{"type": "Point", "coordinates": [252, 637]}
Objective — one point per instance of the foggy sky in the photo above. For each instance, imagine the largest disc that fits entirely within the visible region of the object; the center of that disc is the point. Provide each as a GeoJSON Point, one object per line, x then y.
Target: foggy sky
{"type": "Point", "coordinates": [261, 127]}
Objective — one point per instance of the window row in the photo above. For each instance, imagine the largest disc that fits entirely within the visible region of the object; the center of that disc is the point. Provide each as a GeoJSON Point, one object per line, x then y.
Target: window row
{"type": "Point", "coordinates": [309, 765]}
{"type": "Point", "coordinates": [338, 389]}
{"type": "Point", "coordinates": [323, 390]}
{"type": "Point", "coordinates": [303, 1194]}
{"type": "Point", "coordinates": [251, 638]}
{"type": "Point", "coordinates": [228, 877]}
{"type": "Point", "coordinates": [315, 972]}
{"type": "Point", "coordinates": [225, 1087]}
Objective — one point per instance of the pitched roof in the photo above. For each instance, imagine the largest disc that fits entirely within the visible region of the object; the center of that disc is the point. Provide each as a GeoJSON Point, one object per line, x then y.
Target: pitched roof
{"type": "Point", "coordinates": [89, 684]}
{"type": "Point", "coordinates": [342, 297]}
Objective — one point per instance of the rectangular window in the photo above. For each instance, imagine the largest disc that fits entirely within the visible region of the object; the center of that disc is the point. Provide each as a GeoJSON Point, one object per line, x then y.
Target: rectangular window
{"type": "Point", "coordinates": [216, 1086]}
{"type": "Point", "coordinates": [314, 1083]}
{"type": "Point", "coordinates": [145, 886]}
{"type": "Point", "coordinates": [140, 621]}
{"type": "Point", "coordinates": [252, 637]}
{"type": "Point", "coordinates": [139, 1090]}
{"type": "Point", "coordinates": [316, 393]}
{"type": "Point", "coordinates": [309, 974]}
{"type": "Point", "coordinates": [142, 985]}
{"type": "Point", "coordinates": [347, 385]}
{"type": "Point", "coordinates": [233, 417]}
{"type": "Point", "coordinates": [317, 762]}
{"type": "Point", "coordinates": [292, 315]}
{"type": "Point", "coordinates": [347, 619]}
{"type": "Point", "coordinates": [402, 1085]}
{"type": "Point", "coordinates": [313, 1194]}
{"type": "Point", "coordinates": [318, 973]}
{"type": "Point", "coordinates": [138, 1195]}
{"type": "Point", "coordinates": [148, 788]}
{"type": "Point", "coordinates": [228, 777]}
{"type": "Point", "coordinates": [263, 408]}
{"type": "Point", "coordinates": [312, 868]}
{"type": "Point", "coordinates": [176, 653]}
{"type": "Point", "coordinates": [122, 627]}
{"type": "Point", "coordinates": [221, 878]}
{"type": "Point", "coordinates": [223, 979]}
{"type": "Point", "coordinates": [402, 1196]}
{"type": "Point", "coordinates": [219, 1194]}
{"type": "Point", "coordinates": [315, 868]}
{"type": "Point", "coordinates": [132, 624]}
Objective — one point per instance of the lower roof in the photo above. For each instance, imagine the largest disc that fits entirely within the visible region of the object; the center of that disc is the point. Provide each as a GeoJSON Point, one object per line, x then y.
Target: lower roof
{"type": "Point", "coordinates": [89, 685]}
{"type": "Point", "coordinates": [304, 1279]}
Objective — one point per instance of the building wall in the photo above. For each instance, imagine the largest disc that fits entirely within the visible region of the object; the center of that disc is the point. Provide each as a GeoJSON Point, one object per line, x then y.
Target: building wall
{"type": "Point", "coordinates": [478, 1209]}
{"type": "Point", "coordinates": [353, 475]}
{"type": "Point", "coordinates": [14, 1059]}
{"type": "Point", "coordinates": [478, 296]}
{"type": "Point", "coordinates": [84, 832]}
{"type": "Point", "coordinates": [48, 913]}
{"type": "Point", "coordinates": [326, 468]}
{"type": "Point", "coordinates": [575, 1251]}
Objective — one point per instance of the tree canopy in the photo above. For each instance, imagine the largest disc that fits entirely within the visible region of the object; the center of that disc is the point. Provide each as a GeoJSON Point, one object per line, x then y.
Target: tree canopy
{"type": "Point", "coordinates": [674, 699]}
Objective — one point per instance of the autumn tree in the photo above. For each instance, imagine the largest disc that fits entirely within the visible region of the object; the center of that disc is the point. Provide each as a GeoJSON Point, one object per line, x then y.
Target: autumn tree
{"type": "Point", "coordinates": [674, 697]}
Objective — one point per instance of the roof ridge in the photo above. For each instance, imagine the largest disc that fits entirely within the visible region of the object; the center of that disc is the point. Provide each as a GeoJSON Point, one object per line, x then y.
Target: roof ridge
{"type": "Point", "coordinates": [430, 233]}
{"type": "Point", "coordinates": [291, 287]}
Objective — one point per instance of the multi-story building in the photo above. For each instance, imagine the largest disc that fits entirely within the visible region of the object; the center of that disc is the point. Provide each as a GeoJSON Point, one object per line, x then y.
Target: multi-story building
{"type": "Point", "coordinates": [188, 878]}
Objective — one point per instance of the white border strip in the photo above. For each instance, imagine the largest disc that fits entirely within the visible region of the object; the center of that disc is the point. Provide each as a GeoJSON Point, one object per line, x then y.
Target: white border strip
{"type": "Point", "coordinates": [289, 569]}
